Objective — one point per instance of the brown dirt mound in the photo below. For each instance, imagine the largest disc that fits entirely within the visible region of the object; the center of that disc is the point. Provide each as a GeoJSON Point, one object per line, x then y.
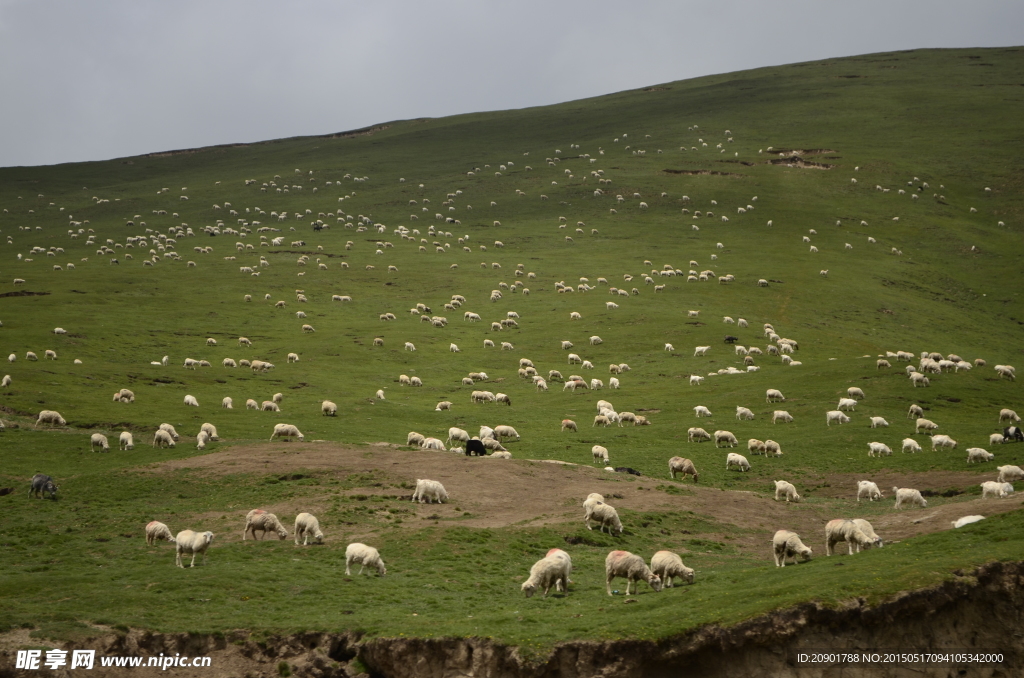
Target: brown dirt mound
{"type": "Point", "coordinates": [501, 493]}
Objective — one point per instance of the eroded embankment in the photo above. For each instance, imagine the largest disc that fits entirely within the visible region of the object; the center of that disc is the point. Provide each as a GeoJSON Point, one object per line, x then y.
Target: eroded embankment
{"type": "Point", "coordinates": [976, 611]}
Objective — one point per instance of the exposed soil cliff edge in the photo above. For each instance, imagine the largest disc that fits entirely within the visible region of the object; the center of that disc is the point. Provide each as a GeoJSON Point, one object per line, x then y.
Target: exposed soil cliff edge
{"type": "Point", "coordinates": [974, 611]}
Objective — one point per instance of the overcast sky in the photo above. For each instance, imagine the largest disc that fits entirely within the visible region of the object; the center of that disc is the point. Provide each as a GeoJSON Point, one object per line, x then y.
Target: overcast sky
{"type": "Point", "coordinates": [110, 78]}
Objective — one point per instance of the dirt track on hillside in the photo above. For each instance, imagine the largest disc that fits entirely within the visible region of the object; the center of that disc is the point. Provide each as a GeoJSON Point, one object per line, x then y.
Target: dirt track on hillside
{"type": "Point", "coordinates": [500, 493]}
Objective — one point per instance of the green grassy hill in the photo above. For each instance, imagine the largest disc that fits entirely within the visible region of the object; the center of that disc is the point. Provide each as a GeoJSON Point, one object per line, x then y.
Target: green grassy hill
{"type": "Point", "coordinates": [911, 158]}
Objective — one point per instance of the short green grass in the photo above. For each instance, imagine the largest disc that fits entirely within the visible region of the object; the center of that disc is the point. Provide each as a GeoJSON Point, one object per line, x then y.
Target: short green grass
{"type": "Point", "coordinates": [946, 117]}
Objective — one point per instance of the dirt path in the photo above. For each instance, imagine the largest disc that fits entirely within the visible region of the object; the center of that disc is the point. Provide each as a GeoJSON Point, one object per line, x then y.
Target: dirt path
{"type": "Point", "coordinates": [500, 493]}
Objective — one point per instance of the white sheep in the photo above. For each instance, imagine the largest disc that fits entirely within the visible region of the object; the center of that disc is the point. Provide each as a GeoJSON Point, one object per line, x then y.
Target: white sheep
{"type": "Point", "coordinates": [702, 411]}
{"type": "Point", "coordinates": [742, 413]}
{"type": "Point", "coordinates": [429, 491]}
{"type": "Point", "coordinates": [99, 440]}
{"type": "Point", "coordinates": [569, 424]}
{"type": "Point", "coordinates": [966, 520]}
{"type": "Point", "coordinates": [877, 422]}
{"type": "Point", "coordinates": [126, 441]}
{"type": "Point", "coordinates": [787, 490]}
{"type": "Point", "coordinates": [50, 417]}
{"type": "Point", "coordinates": [848, 404]}
{"type": "Point", "coordinates": [163, 439]}
{"type": "Point", "coordinates": [258, 519]}
{"type": "Point", "coordinates": [287, 431]}
{"type": "Point", "coordinates": [868, 530]}
{"type": "Point", "coordinates": [155, 530]}
{"type": "Point", "coordinates": [725, 437]}
{"type": "Point", "coordinates": [552, 570]}
{"type": "Point", "coordinates": [505, 432]}
{"type": "Point", "coordinates": [774, 395]}
{"type": "Point", "coordinates": [772, 449]}
{"type": "Point", "coordinates": [1009, 473]}
{"type": "Point", "coordinates": [781, 415]}
{"type": "Point", "coordinates": [432, 444]}
{"type": "Point", "coordinates": [906, 495]}
{"type": "Point", "coordinates": [306, 526]}
{"type": "Point", "coordinates": [924, 424]}
{"type": "Point", "coordinates": [364, 556]}
{"type": "Point", "coordinates": [996, 489]}
{"type": "Point", "coordinates": [270, 406]}
{"type": "Point", "coordinates": [838, 530]}
{"type": "Point", "coordinates": [696, 435]}
{"type": "Point", "coordinates": [191, 401]}
{"type": "Point", "coordinates": [666, 565]}
{"type": "Point", "coordinates": [737, 460]}
{"type": "Point", "coordinates": [600, 453]}
{"type": "Point", "coordinates": [911, 445]}
{"type": "Point", "coordinates": [943, 440]}
{"type": "Point", "coordinates": [869, 489]}
{"type": "Point", "coordinates": [879, 449]}
{"type": "Point", "coordinates": [787, 544]}
{"type": "Point", "coordinates": [696, 380]}
{"type": "Point", "coordinates": [187, 542]}
{"type": "Point", "coordinates": [681, 465]}
{"type": "Point", "coordinates": [380, 394]}
{"type": "Point", "coordinates": [855, 392]}
{"type": "Point", "coordinates": [630, 566]}
{"type": "Point", "coordinates": [995, 439]}
{"type": "Point", "coordinates": [605, 515]}
{"type": "Point", "coordinates": [837, 416]}
{"type": "Point", "coordinates": [701, 350]}
{"type": "Point", "coordinates": [1008, 415]}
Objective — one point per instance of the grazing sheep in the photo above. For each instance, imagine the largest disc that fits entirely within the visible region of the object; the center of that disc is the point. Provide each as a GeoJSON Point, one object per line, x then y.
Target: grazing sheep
{"type": "Point", "coordinates": [837, 416]}
{"type": "Point", "coordinates": [1008, 415]}
{"type": "Point", "coordinates": [737, 460]}
{"type": "Point", "coordinates": [996, 489]}
{"type": "Point", "coordinates": [630, 566]}
{"type": "Point", "coordinates": [696, 435]}
{"type": "Point", "coordinates": [725, 437]}
{"type": "Point", "coordinates": [191, 401]}
{"type": "Point", "coordinates": [942, 440]}
{"type": "Point", "coordinates": [845, 530]}
{"type": "Point", "coordinates": [270, 406]}
{"type": "Point", "coordinates": [605, 515]}
{"type": "Point", "coordinates": [99, 440]}
{"type": "Point", "coordinates": [1009, 473]}
{"type": "Point", "coordinates": [786, 544]}
{"type": "Point", "coordinates": [552, 570]}
{"type": "Point", "coordinates": [251, 404]}
{"type": "Point", "coordinates": [786, 489]}
{"type": "Point", "coordinates": [7, 382]}
{"type": "Point", "coordinates": [995, 438]}
{"type": "Point", "coordinates": [50, 355]}
{"type": "Point", "coordinates": [915, 412]}
{"type": "Point", "coordinates": [364, 556]}
{"type": "Point", "coordinates": [868, 530]}
{"type": "Point", "coordinates": [505, 432]}
{"type": "Point", "coordinates": [443, 405]}
{"type": "Point", "coordinates": [163, 439]}
{"type": "Point", "coordinates": [742, 413]}
{"type": "Point", "coordinates": [696, 380]}
{"type": "Point", "coordinates": [286, 431]}
{"type": "Point", "coordinates": [42, 484]}
{"type": "Point", "coordinates": [432, 444]}
{"type": "Point", "coordinates": [868, 489]}
{"type": "Point", "coordinates": [911, 445]}
{"type": "Point", "coordinates": [877, 422]}
{"type": "Point", "coordinates": [569, 424]}
{"type": "Point", "coordinates": [50, 417]}
{"type": "Point", "coordinates": [127, 442]}
{"type": "Point", "coordinates": [774, 395]}
{"type": "Point", "coordinates": [666, 565]}
{"type": "Point", "coordinates": [755, 446]}
{"type": "Point", "coordinates": [701, 350]}
{"type": "Point", "coordinates": [924, 424]}
{"type": "Point", "coordinates": [156, 530]}
{"type": "Point", "coordinates": [879, 449]}
{"type": "Point", "coordinates": [855, 392]}
{"type": "Point", "coordinates": [848, 404]}
{"type": "Point", "coordinates": [772, 449]}
{"type": "Point", "coordinates": [702, 411]}
{"type": "Point", "coordinates": [880, 363]}
{"type": "Point", "coordinates": [429, 491]}
{"type": "Point", "coordinates": [906, 495]}
{"type": "Point", "coordinates": [328, 408]}
{"type": "Point", "coordinates": [781, 415]}
{"type": "Point", "coordinates": [170, 429]}
{"type": "Point", "coordinates": [195, 543]}
{"type": "Point", "coordinates": [258, 519]}
{"type": "Point", "coordinates": [306, 526]}
{"type": "Point", "coordinates": [681, 465]}
{"type": "Point", "coordinates": [977, 454]}
{"type": "Point", "coordinates": [600, 453]}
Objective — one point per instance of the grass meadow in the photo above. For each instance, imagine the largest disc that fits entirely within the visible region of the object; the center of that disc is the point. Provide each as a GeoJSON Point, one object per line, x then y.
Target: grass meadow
{"type": "Point", "coordinates": [940, 129]}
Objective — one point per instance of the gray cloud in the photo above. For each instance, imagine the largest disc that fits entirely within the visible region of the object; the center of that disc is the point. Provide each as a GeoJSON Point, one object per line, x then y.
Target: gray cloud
{"type": "Point", "coordinates": [90, 81]}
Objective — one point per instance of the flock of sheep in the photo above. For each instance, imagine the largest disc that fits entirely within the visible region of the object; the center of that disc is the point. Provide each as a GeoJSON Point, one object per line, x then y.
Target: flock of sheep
{"type": "Point", "coordinates": [552, 571]}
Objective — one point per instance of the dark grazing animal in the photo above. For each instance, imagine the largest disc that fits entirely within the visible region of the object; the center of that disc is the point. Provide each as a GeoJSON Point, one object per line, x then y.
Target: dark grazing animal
{"type": "Point", "coordinates": [475, 446]}
{"type": "Point", "coordinates": [42, 483]}
{"type": "Point", "coordinates": [1013, 433]}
